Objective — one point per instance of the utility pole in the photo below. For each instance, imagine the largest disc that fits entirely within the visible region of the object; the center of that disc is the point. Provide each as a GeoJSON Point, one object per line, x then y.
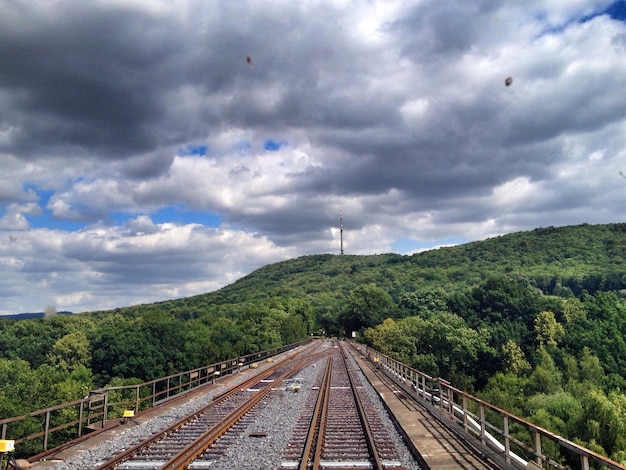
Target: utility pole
{"type": "Point", "coordinates": [341, 228]}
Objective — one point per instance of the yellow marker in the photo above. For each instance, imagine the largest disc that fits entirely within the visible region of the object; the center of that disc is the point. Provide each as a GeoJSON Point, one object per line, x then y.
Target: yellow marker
{"type": "Point", "coordinates": [128, 414]}
{"type": "Point", "coordinates": [7, 446]}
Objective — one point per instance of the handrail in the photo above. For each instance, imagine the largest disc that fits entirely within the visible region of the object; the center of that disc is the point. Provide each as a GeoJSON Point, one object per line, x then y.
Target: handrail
{"type": "Point", "coordinates": [467, 415]}
{"type": "Point", "coordinates": [104, 404]}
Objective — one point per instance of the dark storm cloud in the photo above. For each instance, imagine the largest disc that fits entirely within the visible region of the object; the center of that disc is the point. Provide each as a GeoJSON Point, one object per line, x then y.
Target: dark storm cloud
{"type": "Point", "coordinates": [441, 30]}
{"type": "Point", "coordinates": [84, 77]}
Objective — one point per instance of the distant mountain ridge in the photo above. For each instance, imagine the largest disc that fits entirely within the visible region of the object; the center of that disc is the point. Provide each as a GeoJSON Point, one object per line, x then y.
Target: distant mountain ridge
{"type": "Point", "coordinates": [30, 316]}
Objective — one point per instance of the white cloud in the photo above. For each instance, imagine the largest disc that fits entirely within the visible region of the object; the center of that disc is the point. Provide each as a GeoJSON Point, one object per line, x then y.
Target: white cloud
{"type": "Point", "coordinates": [514, 194]}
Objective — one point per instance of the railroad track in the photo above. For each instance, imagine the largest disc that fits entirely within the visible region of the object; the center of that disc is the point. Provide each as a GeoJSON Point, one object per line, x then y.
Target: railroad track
{"type": "Point", "coordinates": [461, 452]}
{"type": "Point", "coordinates": [192, 442]}
{"type": "Point", "coordinates": [340, 428]}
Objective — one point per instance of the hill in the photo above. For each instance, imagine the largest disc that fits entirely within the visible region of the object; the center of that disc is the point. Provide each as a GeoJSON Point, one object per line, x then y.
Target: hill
{"type": "Point", "coordinates": [533, 321]}
{"type": "Point", "coordinates": [557, 260]}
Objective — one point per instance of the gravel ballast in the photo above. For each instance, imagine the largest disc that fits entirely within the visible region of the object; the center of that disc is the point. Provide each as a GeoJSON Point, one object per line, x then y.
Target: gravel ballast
{"type": "Point", "coordinates": [258, 447]}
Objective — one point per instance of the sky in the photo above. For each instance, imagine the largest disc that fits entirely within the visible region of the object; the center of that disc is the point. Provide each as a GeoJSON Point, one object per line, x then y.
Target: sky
{"type": "Point", "coordinates": [158, 149]}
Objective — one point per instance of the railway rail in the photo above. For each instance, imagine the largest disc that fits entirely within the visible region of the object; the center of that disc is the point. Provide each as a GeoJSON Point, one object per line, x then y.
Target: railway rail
{"type": "Point", "coordinates": [340, 428]}
{"type": "Point", "coordinates": [193, 438]}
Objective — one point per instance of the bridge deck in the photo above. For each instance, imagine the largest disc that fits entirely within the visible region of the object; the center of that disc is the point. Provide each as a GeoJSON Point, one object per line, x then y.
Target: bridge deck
{"type": "Point", "coordinates": [440, 448]}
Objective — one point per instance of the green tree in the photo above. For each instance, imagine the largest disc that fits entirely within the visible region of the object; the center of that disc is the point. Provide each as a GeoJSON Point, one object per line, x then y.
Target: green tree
{"type": "Point", "coordinates": [604, 420]}
{"type": "Point", "coordinates": [70, 352]}
{"type": "Point", "coordinates": [514, 360]}
{"type": "Point", "coordinates": [507, 391]}
{"type": "Point", "coordinates": [261, 327]}
{"type": "Point", "coordinates": [19, 387]}
{"type": "Point", "coordinates": [424, 303]}
{"type": "Point", "coordinates": [547, 330]}
{"type": "Point", "coordinates": [226, 340]}
{"type": "Point", "coordinates": [591, 370]}
{"type": "Point", "coordinates": [303, 309]}
{"type": "Point", "coordinates": [546, 377]}
{"type": "Point", "coordinates": [393, 339]}
{"type": "Point", "coordinates": [367, 306]}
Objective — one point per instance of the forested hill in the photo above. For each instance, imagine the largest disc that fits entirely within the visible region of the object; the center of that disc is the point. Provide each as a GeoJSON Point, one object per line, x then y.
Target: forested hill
{"type": "Point", "coordinates": [534, 322]}
{"type": "Point", "coordinates": [557, 260]}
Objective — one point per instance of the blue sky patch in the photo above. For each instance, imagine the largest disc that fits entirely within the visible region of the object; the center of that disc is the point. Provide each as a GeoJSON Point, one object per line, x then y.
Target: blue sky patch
{"type": "Point", "coordinates": [199, 150]}
{"type": "Point", "coordinates": [180, 215]}
{"type": "Point", "coordinates": [407, 245]}
{"type": "Point", "coordinates": [176, 214]}
{"type": "Point", "coordinates": [617, 10]}
{"type": "Point", "coordinates": [273, 145]}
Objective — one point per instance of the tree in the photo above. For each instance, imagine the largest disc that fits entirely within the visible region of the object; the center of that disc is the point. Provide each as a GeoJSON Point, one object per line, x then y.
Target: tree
{"type": "Point", "coordinates": [393, 339]}
{"type": "Point", "coordinates": [70, 352]}
{"type": "Point", "coordinates": [548, 331]}
{"type": "Point", "coordinates": [514, 360]}
{"type": "Point", "coordinates": [590, 368]}
{"type": "Point", "coordinates": [424, 304]}
{"type": "Point", "coordinates": [546, 377]}
{"type": "Point", "coordinates": [604, 420]}
{"type": "Point", "coordinates": [368, 305]}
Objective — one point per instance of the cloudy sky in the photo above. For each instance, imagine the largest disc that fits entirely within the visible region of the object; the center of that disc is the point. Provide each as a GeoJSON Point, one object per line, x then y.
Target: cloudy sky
{"type": "Point", "coordinates": [156, 149]}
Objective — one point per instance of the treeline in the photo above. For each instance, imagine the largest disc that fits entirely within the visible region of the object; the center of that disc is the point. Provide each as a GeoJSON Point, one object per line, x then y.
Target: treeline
{"type": "Point", "coordinates": [45, 362]}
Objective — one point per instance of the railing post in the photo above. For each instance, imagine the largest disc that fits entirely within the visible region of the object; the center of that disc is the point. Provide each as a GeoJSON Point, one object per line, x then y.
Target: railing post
{"type": "Point", "coordinates": [537, 438]}
{"type": "Point", "coordinates": [45, 432]}
{"type": "Point", "coordinates": [483, 427]}
{"type": "Point", "coordinates": [80, 418]}
{"type": "Point", "coordinates": [153, 393]}
{"type": "Point", "coordinates": [507, 442]}
{"type": "Point", "coordinates": [4, 431]}
{"type": "Point", "coordinates": [105, 410]}
{"type": "Point", "coordinates": [584, 462]}
{"type": "Point", "coordinates": [137, 400]}
{"type": "Point", "coordinates": [440, 395]}
{"type": "Point", "coordinates": [465, 414]}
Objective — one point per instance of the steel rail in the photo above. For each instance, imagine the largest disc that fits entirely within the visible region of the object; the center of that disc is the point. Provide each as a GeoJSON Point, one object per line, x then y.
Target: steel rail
{"type": "Point", "coordinates": [133, 450]}
{"type": "Point", "coordinates": [196, 448]}
{"type": "Point", "coordinates": [319, 419]}
{"type": "Point", "coordinates": [322, 399]}
{"type": "Point", "coordinates": [369, 436]}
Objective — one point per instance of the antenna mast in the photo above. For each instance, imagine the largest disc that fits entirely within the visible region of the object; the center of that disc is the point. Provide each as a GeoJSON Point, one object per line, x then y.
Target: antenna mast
{"type": "Point", "coordinates": [341, 228]}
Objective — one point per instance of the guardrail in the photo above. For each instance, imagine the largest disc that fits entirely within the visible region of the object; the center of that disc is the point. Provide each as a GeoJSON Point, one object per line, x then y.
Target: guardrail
{"type": "Point", "coordinates": [41, 430]}
{"type": "Point", "coordinates": [506, 438]}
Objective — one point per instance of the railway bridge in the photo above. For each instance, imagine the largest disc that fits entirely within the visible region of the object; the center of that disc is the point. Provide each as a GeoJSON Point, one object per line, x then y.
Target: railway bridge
{"type": "Point", "coordinates": [443, 427]}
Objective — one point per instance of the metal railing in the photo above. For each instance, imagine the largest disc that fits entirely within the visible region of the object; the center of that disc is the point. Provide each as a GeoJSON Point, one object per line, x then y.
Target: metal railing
{"type": "Point", "coordinates": [506, 438]}
{"type": "Point", "coordinates": [50, 427]}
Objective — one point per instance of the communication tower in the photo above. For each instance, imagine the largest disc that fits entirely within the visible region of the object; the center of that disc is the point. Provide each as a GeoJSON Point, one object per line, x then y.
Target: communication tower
{"type": "Point", "coordinates": [341, 228]}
